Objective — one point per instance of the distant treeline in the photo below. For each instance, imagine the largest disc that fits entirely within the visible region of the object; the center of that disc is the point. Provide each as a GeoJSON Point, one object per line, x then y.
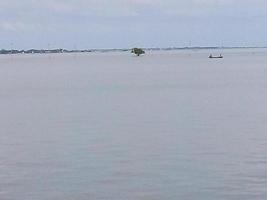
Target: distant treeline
{"type": "Point", "coordinates": [43, 51]}
{"type": "Point", "coordinates": [39, 51]}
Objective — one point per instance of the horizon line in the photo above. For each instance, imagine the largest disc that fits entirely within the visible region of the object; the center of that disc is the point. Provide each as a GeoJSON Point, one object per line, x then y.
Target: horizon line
{"type": "Point", "coordinates": [122, 48]}
{"type": "Point", "coordinates": [65, 50]}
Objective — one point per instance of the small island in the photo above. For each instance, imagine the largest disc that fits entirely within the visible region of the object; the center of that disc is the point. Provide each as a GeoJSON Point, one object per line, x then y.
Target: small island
{"type": "Point", "coordinates": [138, 51]}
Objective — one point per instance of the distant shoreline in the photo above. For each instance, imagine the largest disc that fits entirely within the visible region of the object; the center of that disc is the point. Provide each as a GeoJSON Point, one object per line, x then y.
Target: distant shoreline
{"type": "Point", "coordinates": [49, 51]}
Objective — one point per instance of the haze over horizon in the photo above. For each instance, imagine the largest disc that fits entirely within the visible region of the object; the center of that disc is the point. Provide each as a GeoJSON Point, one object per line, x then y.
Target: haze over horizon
{"type": "Point", "coordinates": [85, 24]}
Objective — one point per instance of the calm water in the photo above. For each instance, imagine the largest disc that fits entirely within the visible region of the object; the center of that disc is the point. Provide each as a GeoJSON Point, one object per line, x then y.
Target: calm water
{"type": "Point", "coordinates": [168, 125]}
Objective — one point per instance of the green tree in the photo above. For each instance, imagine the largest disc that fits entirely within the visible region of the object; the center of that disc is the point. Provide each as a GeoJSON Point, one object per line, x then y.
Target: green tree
{"type": "Point", "coordinates": [138, 51]}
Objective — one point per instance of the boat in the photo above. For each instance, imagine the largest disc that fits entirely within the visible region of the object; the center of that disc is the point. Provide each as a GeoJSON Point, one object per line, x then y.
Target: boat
{"type": "Point", "coordinates": [211, 56]}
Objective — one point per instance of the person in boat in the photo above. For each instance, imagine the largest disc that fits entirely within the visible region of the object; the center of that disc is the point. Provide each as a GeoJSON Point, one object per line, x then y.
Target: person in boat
{"type": "Point", "coordinates": [211, 56]}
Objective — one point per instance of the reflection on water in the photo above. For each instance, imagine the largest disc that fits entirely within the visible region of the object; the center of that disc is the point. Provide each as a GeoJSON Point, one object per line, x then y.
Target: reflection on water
{"type": "Point", "coordinates": [111, 126]}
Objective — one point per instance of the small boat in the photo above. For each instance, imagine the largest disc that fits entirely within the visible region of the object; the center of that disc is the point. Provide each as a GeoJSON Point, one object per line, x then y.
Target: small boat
{"type": "Point", "coordinates": [211, 56]}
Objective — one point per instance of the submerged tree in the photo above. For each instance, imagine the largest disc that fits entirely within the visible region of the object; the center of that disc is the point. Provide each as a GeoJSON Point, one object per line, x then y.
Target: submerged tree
{"type": "Point", "coordinates": [138, 51]}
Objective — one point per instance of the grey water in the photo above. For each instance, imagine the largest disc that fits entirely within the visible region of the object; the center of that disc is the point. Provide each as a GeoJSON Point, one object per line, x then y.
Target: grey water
{"type": "Point", "coordinates": [166, 125]}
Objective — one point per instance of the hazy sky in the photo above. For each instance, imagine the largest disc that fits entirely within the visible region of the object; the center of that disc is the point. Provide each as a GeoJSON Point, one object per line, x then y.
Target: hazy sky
{"type": "Point", "coordinates": [127, 23]}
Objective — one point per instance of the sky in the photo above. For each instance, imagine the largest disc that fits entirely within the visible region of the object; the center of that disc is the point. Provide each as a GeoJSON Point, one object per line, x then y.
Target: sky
{"type": "Point", "coordinates": [86, 24]}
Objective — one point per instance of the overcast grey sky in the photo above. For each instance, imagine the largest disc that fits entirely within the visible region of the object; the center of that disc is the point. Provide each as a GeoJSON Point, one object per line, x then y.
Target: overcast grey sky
{"type": "Point", "coordinates": [127, 23]}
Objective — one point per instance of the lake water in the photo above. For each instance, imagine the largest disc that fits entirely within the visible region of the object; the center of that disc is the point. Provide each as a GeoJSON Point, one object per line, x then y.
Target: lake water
{"type": "Point", "coordinates": [111, 126]}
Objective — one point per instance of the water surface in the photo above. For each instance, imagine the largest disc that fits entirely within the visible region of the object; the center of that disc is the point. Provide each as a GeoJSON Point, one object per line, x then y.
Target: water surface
{"type": "Point", "coordinates": [167, 125]}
